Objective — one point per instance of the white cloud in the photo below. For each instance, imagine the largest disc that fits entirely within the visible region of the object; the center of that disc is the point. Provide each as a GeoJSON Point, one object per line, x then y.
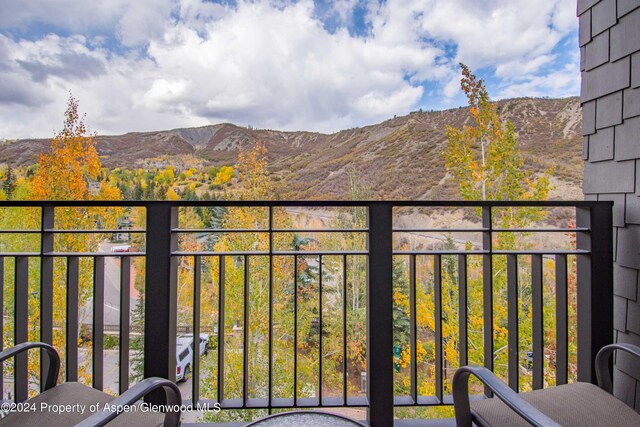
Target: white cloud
{"type": "Point", "coordinates": [133, 22]}
{"type": "Point", "coordinates": [264, 64]}
{"type": "Point", "coordinates": [344, 10]}
{"type": "Point", "coordinates": [559, 83]}
{"type": "Point", "coordinates": [268, 64]}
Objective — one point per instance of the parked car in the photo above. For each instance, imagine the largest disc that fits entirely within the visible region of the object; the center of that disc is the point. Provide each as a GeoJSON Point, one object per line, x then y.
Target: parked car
{"type": "Point", "coordinates": [187, 339]}
{"type": "Point", "coordinates": [184, 357]}
{"type": "Point", "coordinates": [184, 354]}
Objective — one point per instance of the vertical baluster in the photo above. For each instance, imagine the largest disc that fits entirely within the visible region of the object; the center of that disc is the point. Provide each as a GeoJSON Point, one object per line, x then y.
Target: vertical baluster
{"type": "Point", "coordinates": [47, 223]}
{"type": "Point", "coordinates": [125, 313]}
{"type": "Point", "coordinates": [72, 318]}
{"type": "Point", "coordinates": [245, 351]}
{"type": "Point", "coordinates": [413, 328]}
{"type": "Point", "coordinates": [295, 330]}
{"type": "Point", "coordinates": [562, 321]}
{"type": "Point", "coordinates": [98, 323]}
{"type": "Point", "coordinates": [197, 286]}
{"type": "Point", "coordinates": [2, 325]}
{"type": "Point", "coordinates": [221, 326]}
{"type": "Point", "coordinates": [270, 387]}
{"type": "Point", "coordinates": [537, 321]}
{"type": "Point", "coordinates": [463, 327]}
{"type": "Point", "coordinates": [487, 290]}
{"type": "Point", "coordinates": [320, 332]}
{"type": "Point", "coordinates": [21, 308]}
{"type": "Point", "coordinates": [345, 391]}
{"type": "Point", "coordinates": [437, 297]}
{"type": "Point", "coordinates": [512, 320]}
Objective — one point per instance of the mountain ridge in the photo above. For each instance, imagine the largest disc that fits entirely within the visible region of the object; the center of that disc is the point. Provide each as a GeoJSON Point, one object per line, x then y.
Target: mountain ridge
{"type": "Point", "coordinates": [399, 158]}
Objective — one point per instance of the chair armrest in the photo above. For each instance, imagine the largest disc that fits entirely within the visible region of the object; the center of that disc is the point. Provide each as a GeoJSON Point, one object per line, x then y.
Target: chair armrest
{"type": "Point", "coordinates": [131, 396]}
{"type": "Point", "coordinates": [520, 406]}
{"type": "Point", "coordinates": [603, 374]}
{"type": "Point", "coordinates": [54, 359]}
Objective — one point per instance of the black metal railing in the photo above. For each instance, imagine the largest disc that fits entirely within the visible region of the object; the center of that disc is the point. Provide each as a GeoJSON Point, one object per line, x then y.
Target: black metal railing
{"type": "Point", "coordinates": [380, 244]}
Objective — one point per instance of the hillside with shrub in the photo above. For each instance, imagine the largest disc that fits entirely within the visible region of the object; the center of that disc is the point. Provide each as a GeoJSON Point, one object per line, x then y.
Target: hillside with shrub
{"type": "Point", "coordinates": [400, 158]}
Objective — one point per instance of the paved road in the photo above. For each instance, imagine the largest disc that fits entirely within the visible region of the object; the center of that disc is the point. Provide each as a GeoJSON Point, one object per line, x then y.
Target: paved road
{"type": "Point", "coordinates": [111, 379]}
{"type": "Point", "coordinates": [111, 290]}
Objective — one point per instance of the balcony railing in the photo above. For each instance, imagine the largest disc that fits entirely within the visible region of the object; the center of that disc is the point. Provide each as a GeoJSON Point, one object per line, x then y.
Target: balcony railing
{"type": "Point", "coordinates": [341, 243]}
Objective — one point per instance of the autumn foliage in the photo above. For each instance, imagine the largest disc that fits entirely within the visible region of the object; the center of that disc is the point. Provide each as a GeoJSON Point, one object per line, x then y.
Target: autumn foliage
{"type": "Point", "coordinates": [484, 158]}
{"type": "Point", "coordinates": [65, 172]}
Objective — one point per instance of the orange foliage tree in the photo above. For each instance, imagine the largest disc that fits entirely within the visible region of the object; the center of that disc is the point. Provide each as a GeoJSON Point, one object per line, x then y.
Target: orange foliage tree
{"type": "Point", "coordinates": [69, 171]}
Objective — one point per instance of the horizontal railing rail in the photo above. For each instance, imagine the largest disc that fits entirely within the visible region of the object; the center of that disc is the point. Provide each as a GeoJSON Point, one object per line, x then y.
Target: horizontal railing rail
{"type": "Point", "coordinates": [364, 306]}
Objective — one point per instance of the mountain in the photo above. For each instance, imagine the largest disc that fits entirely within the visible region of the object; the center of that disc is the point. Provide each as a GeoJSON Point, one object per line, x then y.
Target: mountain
{"type": "Point", "coordinates": [400, 158]}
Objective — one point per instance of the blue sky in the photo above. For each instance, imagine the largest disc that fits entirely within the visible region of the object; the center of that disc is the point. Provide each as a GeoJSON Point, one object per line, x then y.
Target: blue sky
{"type": "Point", "coordinates": [292, 65]}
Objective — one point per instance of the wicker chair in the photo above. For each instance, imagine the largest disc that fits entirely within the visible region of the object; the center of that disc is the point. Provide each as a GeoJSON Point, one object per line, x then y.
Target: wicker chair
{"type": "Point", "coordinates": [74, 393]}
{"type": "Point", "coordinates": [576, 404]}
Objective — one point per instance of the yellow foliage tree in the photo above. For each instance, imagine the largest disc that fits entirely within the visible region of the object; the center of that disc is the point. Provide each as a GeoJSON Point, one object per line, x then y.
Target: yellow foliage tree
{"type": "Point", "coordinates": [487, 164]}
{"type": "Point", "coordinates": [72, 163]}
{"type": "Point", "coordinates": [224, 175]}
{"type": "Point", "coordinates": [254, 175]}
{"type": "Point", "coordinates": [68, 172]}
{"type": "Point", "coordinates": [484, 158]}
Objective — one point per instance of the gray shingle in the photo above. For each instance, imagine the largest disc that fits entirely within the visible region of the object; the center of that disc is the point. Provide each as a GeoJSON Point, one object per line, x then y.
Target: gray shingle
{"type": "Point", "coordinates": [625, 280]}
{"type": "Point", "coordinates": [603, 16]}
{"type": "Point", "coordinates": [627, 139]}
{"type": "Point", "coordinates": [625, 362]}
{"type": "Point", "coordinates": [635, 70]}
{"type": "Point", "coordinates": [601, 145]}
{"type": "Point", "coordinates": [618, 207]}
{"type": "Point", "coordinates": [615, 244]}
{"type": "Point", "coordinates": [628, 250]}
{"type": "Point", "coordinates": [629, 337]}
{"type": "Point", "coordinates": [609, 110]}
{"type": "Point", "coordinates": [632, 210]}
{"type": "Point", "coordinates": [625, 37]}
{"type": "Point", "coordinates": [584, 33]}
{"type": "Point", "coordinates": [585, 4]}
{"type": "Point", "coordinates": [626, 6]}
{"type": "Point", "coordinates": [597, 52]}
{"type": "Point", "coordinates": [585, 148]}
{"type": "Point", "coordinates": [605, 79]}
{"type": "Point", "coordinates": [624, 385]}
{"type": "Point", "coordinates": [583, 58]}
{"type": "Point", "coordinates": [633, 317]}
{"type": "Point", "coordinates": [631, 104]}
{"type": "Point", "coordinates": [589, 118]}
{"type": "Point", "coordinates": [620, 313]}
{"type": "Point", "coordinates": [609, 177]}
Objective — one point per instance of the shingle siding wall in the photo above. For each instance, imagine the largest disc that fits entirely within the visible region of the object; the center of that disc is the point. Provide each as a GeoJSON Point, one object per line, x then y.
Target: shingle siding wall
{"type": "Point", "coordinates": [609, 39]}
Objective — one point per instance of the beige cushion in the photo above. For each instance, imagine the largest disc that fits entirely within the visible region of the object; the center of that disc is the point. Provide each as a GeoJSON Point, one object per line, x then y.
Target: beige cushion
{"type": "Point", "coordinates": [75, 393]}
{"type": "Point", "coordinates": [576, 404]}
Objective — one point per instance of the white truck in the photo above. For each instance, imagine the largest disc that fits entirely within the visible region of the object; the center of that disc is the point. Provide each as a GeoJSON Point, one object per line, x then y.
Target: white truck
{"type": "Point", "coordinates": [184, 354]}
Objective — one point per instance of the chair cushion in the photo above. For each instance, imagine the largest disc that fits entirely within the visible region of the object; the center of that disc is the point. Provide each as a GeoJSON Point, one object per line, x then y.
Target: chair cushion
{"type": "Point", "coordinates": [69, 394]}
{"type": "Point", "coordinates": [576, 404]}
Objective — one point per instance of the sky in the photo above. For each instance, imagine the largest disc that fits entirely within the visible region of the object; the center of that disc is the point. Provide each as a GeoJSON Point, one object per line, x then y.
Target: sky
{"type": "Point", "coordinates": [280, 64]}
